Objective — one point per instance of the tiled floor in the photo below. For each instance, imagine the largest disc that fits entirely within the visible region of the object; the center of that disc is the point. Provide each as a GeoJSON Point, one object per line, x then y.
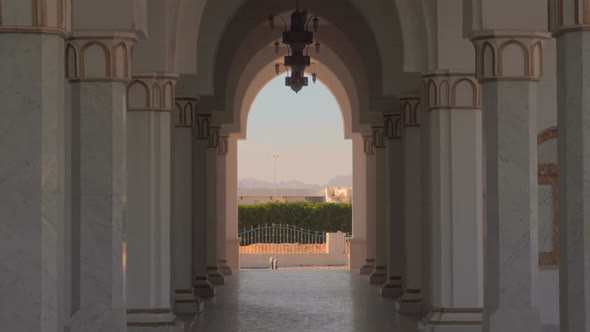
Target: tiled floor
{"type": "Point", "coordinates": [300, 300]}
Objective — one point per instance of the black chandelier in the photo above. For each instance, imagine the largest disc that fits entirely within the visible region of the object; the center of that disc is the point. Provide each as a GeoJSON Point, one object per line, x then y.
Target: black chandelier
{"type": "Point", "coordinates": [298, 40]}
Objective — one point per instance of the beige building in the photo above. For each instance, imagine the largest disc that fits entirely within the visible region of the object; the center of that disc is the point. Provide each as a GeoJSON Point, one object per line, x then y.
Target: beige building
{"type": "Point", "coordinates": [263, 195]}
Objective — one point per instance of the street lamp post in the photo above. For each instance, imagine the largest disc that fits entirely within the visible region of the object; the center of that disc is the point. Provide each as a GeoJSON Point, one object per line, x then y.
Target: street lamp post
{"type": "Point", "coordinates": [274, 192]}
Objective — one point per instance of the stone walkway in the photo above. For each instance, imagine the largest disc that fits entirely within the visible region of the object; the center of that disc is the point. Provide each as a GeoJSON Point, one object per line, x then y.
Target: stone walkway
{"type": "Point", "coordinates": [300, 300]}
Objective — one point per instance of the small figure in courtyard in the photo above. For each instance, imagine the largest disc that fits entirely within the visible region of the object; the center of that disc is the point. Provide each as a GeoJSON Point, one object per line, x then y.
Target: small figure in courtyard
{"type": "Point", "coordinates": [274, 263]}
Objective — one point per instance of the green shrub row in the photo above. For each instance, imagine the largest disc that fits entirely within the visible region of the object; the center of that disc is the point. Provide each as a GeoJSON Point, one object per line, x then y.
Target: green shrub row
{"type": "Point", "coordinates": [328, 217]}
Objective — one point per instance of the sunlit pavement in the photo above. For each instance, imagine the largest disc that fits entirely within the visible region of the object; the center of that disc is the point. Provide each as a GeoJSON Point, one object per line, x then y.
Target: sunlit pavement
{"type": "Point", "coordinates": [300, 300]}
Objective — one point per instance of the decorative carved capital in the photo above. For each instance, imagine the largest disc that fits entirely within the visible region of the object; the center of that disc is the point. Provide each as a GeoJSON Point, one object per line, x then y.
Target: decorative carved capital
{"type": "Point", "coordinates": [99, 57]}
{"type": "Point", "coordinates": [214, 137]}
{"type": "Point", "coordinates": [567, 16]}
{"type": "Point", "coordinates": [201, 126]}
{"type": "Point", "coordinates": [35, 17]}
{"type": "Point", "coordinates": [223, 145]}
{"type": "Point", "coordinates": [393, 124]}
{"type": "Point", "coordinates": [409, 108]}
{"type": "Point", "coordinates": [446, 90]}
{"type": "Point", "coordinates": [378, 136]}
{"type": "Point", "coordinates": [369, 147]}
{"type": "Point", "coordinates": [509, 55]}
{"type": "Point", "coordinates": [151, 93]}
{"type": "Point", "coordinates": [186, 111]}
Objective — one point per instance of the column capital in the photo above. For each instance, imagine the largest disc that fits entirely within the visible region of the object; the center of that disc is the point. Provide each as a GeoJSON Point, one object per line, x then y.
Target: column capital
{"type": "Point", "coordinates": [503, 55]}
{"type": "Point", "coordinates": [151, 93]}
{"type": "Point", "coordinates": [378, 136]}
{"type": "Point", "coordinates": [456, 90]}
{"type": "Point", "coordinates": [409, 108]}
{"type": "Point", "coordinates": [567, 16]}
{"type": "Point", "coordinates": [185, 111]}
{"type": "Point", "coordinates": [368, 145]}
{"type": "Point", "coordinates": [223, 145]}
{"type": "Point", "coordinates": [101, 56]}
{"type": "Point", "coordinates": [214, 137]}
{"type": "Point", "coordinates": [201, 126]}
{"type": "Point", "coordinates": [393, 124]}
{"type": "Point", "coordinates": [35, 17]}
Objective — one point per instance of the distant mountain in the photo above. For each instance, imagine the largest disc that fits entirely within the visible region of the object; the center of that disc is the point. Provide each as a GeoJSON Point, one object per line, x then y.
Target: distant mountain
{"type": "Point", "coordinates": [340, 181]}
{"type": "Point", "coordinates": [251, 183]}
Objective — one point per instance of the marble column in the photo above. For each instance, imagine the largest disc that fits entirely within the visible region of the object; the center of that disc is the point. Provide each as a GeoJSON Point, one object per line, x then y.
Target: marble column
{"type": "Point", "coordinates": [98, 66]}
{"type": "Point", "coordinates": [213, 273]}
{"type": "Point", "coordinates": [411, 299]}
{"type": "Point", "coordinates": [358, 242]}
{"type": "Point", "coordinates": [370, 200]}
{"type": "Point", "coordinates": [34, 172]}
{"type": "Point", "coordinates": [150, 102]}
{"type": "Point", "coordinates": [573, 104]}
{"type": "Point", "coordinates": [509, 68]}
{"type": "Point", "coordinates": [184, 119]}
{"type": "Point", "coordinates": [379, 274]}
{"type": "Point", "coordinates": [221, 201]}
{"type": "Point", "coordinates": [200, 201]}
{"type": "Point", "coordinates": [231, 199]}
{"type": "Point", "coordinates": [456, 224]}
{"type": "Point", "coordinates": [395, 222]}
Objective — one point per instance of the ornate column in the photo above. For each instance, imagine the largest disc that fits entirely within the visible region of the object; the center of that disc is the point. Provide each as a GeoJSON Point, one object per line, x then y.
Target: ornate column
{"type": "Point", "coordinates": [573, 52]}
{"type": "Point", "coordinates": [150, 102]}
{"type": "Point", "coordinates": [456, 224]}
{"type": "Point", "coordinates": [184, 120]}
{"type": "Point", "coordinates": [231, 206]}
{"type": "Point", "coordinates": [509, 66]}
{"type": "Point", "coordinates": [98, 66]}
{"type": "Point", "coordinates": [395, 221]}
{"type": "Point", "coordinates": [35, 170]}
{"type": "Point", "coordinates": [358, 243]}
{"type": "Point", "coordinates": [200, 202]}
{"type": "Point", "coordinates": [221, 193]}
{"type": "Point", "coordinates": [213, 274]}
{"type": "Point", "coordinates": [411, 299]}
{"type": "Point", "coordinates": [379, 274]}
{"type": "Point", "coordinates": [369, 149]}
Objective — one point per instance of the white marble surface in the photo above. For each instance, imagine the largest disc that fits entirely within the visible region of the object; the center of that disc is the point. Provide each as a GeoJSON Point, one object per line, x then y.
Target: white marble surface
{"type": "Point", "coordinates": [300, 300]}
{"type": "Point", "coordinates": [32, 182]}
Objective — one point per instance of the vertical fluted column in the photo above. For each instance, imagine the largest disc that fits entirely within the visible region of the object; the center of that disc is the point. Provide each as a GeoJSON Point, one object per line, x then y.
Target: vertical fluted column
{"type": "Point", "coordinates": [358, 242]}
{"type": "Point", "coordinates": [456, 222]}
{"type": "Point", "coordinates": [200, 202]}
{"type": "Point", "coordinates": [370, 200]}
{"type": "Point", "coordinates": [509, 67]}
{"type": "Point", "coordinates": [395, 221]}
{"type": "Point", "coordinates": [573, 120]}
{"type": "Point", "coordinates": [98, 66]}
{"type": "Point", "coordinates": [379, 274]}
{"type": "Point", "coordinates": [35, 169]}
{"type": "Point", "coordinates": [150, 102]}
{"type": "Point", "coordinates": [232, 240]}
{"type": "Point", "coordinates": [213, 274]}
{"type": "Point", "coordinates": [411, 299]}
{"type": "Point", "coordinates": [222, 212]}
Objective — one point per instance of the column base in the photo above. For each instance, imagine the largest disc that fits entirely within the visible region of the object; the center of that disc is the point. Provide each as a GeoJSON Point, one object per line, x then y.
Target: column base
{"type": "Point", "coordinates": [358, 253]}
{"type": "Point", "coordinates": [232, 253]}
{"type": "Point", "coordinates": [214, 276]}
{"type": "Point", "coordinates": [392, 288]}
{"type": "Point", "coordinates": [378, 276]}
{"type": "Point", "coordinates": [368, 267]}
{"type": "Point", "coordinates": [98, 319]}
{"type": "Point", "coordinates": [185, 302]}
{"type": "Point", "coordinates": [224, 269]}
{"type": "Point", "coordinates": [410, 302]}
{"type": "Point", "coordinates": [512, 320]}
{"type": "Point", "coordinates": [451, 320]}
{"type": "Point", "coordinates": [203, 288]}
{"type": "Point", "coordinates": [153, 320]}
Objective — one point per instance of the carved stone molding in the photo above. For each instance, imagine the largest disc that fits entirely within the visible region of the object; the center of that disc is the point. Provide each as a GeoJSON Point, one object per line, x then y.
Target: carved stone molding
{"type": "Point", "coordinates": [214, 137]}
{"type": "Point", "coordinates": [185, 111]}
{"type": "Point", "coordinates": [393, 123]}
{"type": "Point", "coordinates": [567, 16]}
{"type": "Point", "coordinates": [223, 145]}
{"type": "Point", "coordinates": [99, 57]}
{"type": "Point", "coordinates": [509, 55]}
{"type": "Point", "coordinates": [446, 90]}
{"type": "Point", "coordinates": [202, 127]}
{"type": "Point", "coordinates": [369, 147]}
{"type": "Point", "coordinates": [378, 136]}
{"type": "Point", "coordinates": [36, 17]}
{"type": "Point", "coordinates": [410, 110]}
{"type": "Point", "coordinates": [151, 93]}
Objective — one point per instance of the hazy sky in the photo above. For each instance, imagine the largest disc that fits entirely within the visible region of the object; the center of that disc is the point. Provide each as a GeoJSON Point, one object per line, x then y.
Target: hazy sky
{"type": "Point", "coordinates": [304, 129]}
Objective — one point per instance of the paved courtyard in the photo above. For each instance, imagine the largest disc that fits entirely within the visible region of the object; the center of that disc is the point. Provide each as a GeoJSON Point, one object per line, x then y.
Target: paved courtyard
{"type": "Point", "coordinates": [300, 300]}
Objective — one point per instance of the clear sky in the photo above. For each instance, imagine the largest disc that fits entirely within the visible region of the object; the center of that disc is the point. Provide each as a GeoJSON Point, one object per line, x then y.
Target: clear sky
{"type": "Point", "coordinates": [305, 130]}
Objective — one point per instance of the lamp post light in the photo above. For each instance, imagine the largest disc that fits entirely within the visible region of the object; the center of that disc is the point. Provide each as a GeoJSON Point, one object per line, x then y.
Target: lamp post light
{"type": "Point", "coordinates": [274, 191]}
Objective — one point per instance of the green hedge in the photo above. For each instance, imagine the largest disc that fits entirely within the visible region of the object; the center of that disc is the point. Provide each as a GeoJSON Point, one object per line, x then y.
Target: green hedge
{"type": "Point", "coordinates": [328, 217]}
